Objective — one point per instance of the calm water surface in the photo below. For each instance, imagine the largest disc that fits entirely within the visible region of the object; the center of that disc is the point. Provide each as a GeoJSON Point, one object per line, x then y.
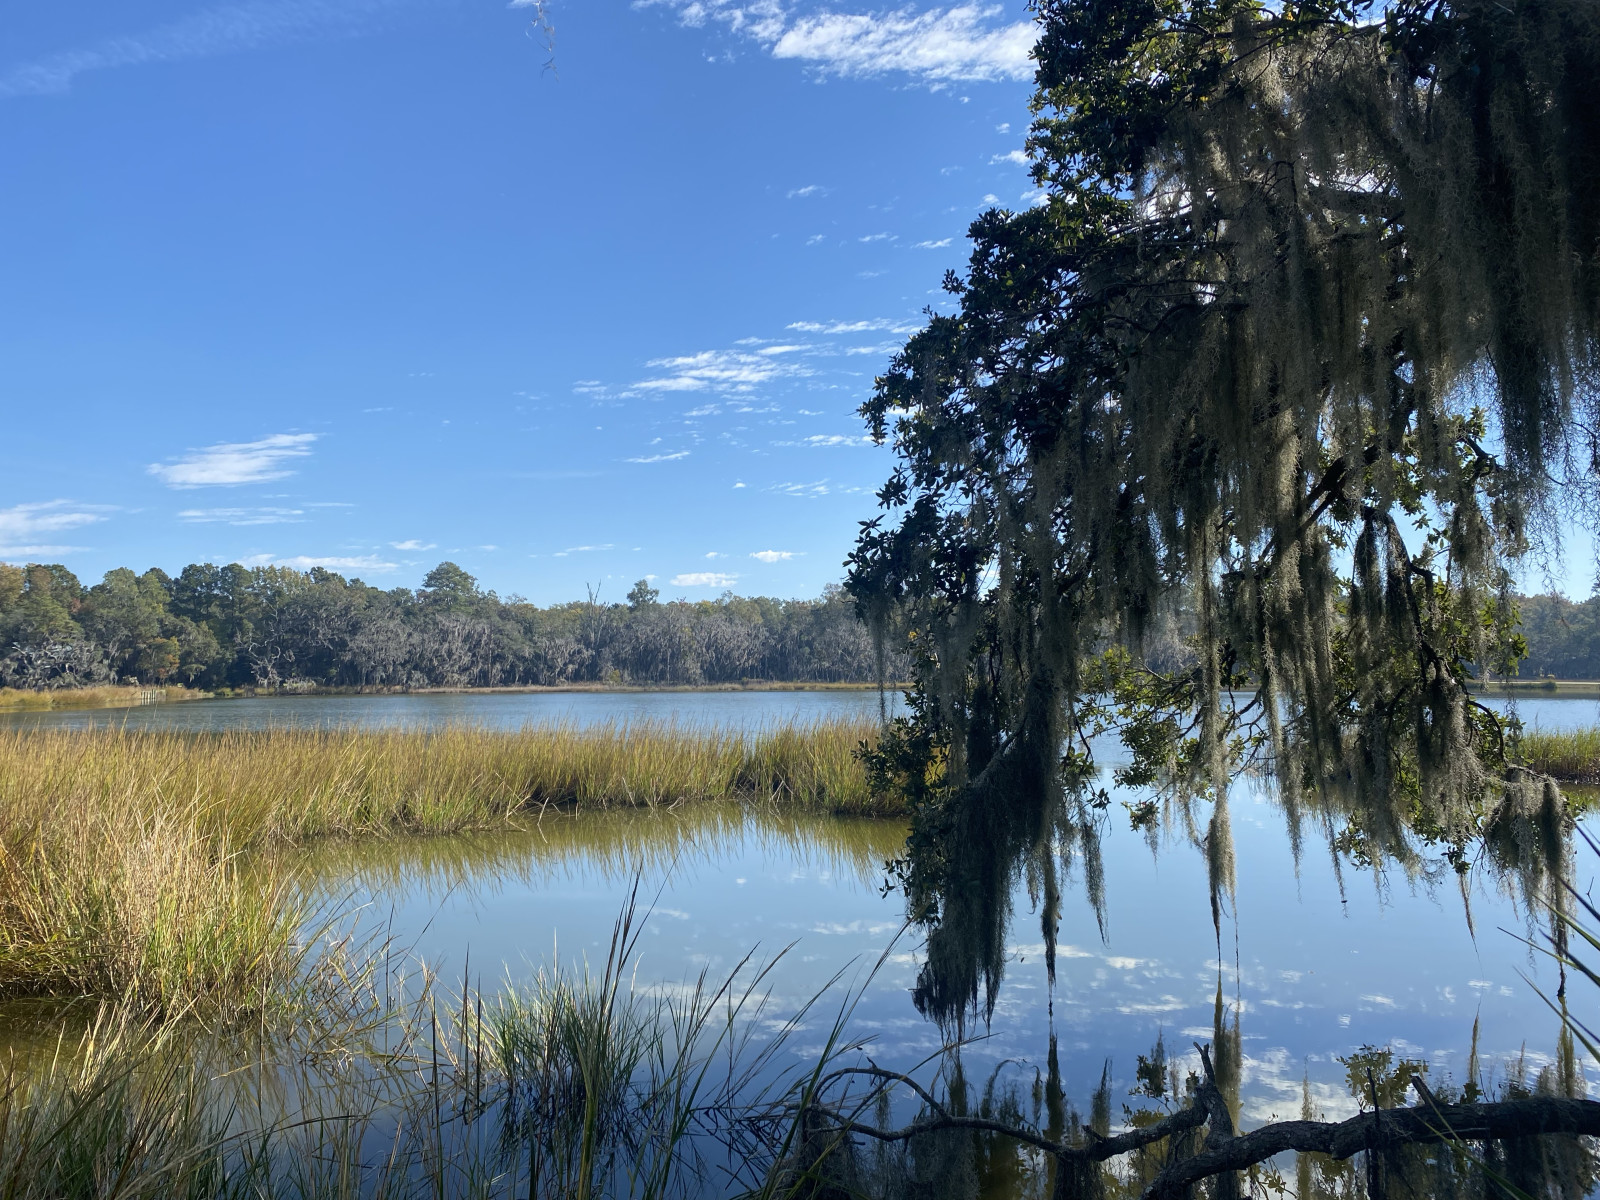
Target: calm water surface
{"type": "Point", "coordinates": [1313, 967]}
{"type": "Point", "coordinates": [503, 710]}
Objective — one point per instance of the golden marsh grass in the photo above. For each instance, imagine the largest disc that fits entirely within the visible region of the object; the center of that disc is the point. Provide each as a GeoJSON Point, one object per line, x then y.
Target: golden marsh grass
{"type": "Point", "coordinates": [122, 853]}
{"type": "Point", "coordinates": [93, 697]}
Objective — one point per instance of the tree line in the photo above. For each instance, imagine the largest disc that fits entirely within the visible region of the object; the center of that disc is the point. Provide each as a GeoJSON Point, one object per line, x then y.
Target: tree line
{"type": "Point", "coordinates": [275, 627]}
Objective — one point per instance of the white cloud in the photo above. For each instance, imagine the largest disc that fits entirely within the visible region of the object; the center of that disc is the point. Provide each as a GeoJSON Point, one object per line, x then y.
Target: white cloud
{"type": "Point", "coordinates": [416, 544]}
{"type": "Point", "coordinates": [715, 554]}
{"type": "Point", "coordinates": [1035, 197]}
{"type": "Point", "coordinates": [654, 458]}
{"type": "Point", "coordinates": [878, 325]}
{"type": "Point", "coordinates": [815, 238]}
{"type": "Point", "coordinates": [811, 189]}
{"type": "Point", "coordinates": [938, 46]}
{"type": "Point", "coordinates": [1011, 156]}
{"type": "Point", "coordinates": [990, 198]}
{"type": "Point", "coordinates": [38, 551]}
{"type": "Point", "coordinates": [772, 556]}
{"type": "Point", "coordinates": [939, 245]}
{"type": "Point", "coordinates": [718, 370]}
{"type": "Point", "coordinates": [821, 487]}
{"type": "Point", "coordinates": [581, 550]}
{"type": "Point", "coordinates": [22, 526]}
{"type": "Point", "coordinates": [1003, 127]}
{"type": "Point", "coordinates": [223, 30]}
{"type": "Point", "coordinates": [230, 463]}
{"type": "Point", "coordinates": [875, 237]}
{"type": "Point", "coordinates": [241, 516]}
{"type": "Point", "coordinates": [703, 579]}
{"type": "Point", "coordinates": [370, 563]}
{"type": "Point", "coordinates": [837, 439]}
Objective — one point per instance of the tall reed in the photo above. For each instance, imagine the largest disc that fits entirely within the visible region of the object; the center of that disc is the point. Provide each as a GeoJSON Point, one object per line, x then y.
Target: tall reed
{"type": "Point", "coordinates": [575, 1086]}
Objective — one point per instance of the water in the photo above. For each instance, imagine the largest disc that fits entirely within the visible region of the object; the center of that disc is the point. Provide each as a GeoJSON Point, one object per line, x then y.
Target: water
{"type": "Point", "coordinates": [497, 710]}
{"type": "Point", "coordinates": [512, 710]}
{"type": "Point", "coordinates": [1314, 967]}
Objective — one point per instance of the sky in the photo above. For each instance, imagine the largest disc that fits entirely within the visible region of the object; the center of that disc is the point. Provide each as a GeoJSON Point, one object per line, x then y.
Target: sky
{"type": "Point", "coordinates": [569, 297]}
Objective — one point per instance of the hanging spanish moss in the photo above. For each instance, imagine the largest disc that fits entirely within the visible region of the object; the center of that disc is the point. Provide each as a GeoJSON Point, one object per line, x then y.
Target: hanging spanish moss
{"type": "Point", "coordinates": [1303, 341]}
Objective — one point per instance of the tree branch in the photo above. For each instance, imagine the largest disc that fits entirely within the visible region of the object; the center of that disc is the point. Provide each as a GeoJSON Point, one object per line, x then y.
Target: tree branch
{"type": "Point", "coordinates": [1382, 1130]}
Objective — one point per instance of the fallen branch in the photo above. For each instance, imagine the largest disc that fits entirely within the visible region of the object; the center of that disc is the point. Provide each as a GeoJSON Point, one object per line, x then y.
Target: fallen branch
{"type": "Point", "coordinates": [1385, 1129]}
{"type": "Point", "coordinates": [1226, 1151]}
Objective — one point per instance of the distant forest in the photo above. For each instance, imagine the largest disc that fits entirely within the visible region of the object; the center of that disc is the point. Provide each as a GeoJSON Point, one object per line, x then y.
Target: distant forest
{"type": "Point", "coordinates": [1563, 637]}
{"type": "Point", "coordinates": [272, 627]}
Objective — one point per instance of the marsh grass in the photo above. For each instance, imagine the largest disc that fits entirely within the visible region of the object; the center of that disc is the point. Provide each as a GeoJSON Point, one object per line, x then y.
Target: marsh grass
{"type": "Point", "coordinates": [1569, 756]}
{"type": "Point", "coordinates": [142, 865]}
{"type": "Point", "coordinates": [93, 697]}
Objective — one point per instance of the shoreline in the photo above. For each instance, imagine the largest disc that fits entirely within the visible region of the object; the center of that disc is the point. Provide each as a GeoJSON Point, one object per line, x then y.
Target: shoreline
{"type": "Point", "coordinates": [17, 700]}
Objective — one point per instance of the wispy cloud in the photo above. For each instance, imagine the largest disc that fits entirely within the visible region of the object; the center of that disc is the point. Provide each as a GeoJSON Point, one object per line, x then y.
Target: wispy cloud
{"type": "Point", "coordinates": [369, 563]}
{"type": "Point", "coordinates": [822, 487]}
{"type": "Point", "coordinates": [242, 516]}
{"type": "Point", "coordinates": [226, 29]}
{"type": "Point", "coordinates": [1011, 156]}
{"type": "Point", "coordinates": [718, 370]}
{"type": "Point", "coordinates": [655, 458]}
{"type": "Point", "coordinates": [966, 42]}
{"type": "Point", "coordinates": [703, 579]}
{"type": "Point", "coordinates": [810, 189]}
{"type": "Point", "coordinates": [415, 544]}
{"type": "Point", "coordinates": [23, 526]}
{"type": "Point", "coordinates": [875, 237]}
{"type": "Point", "coordinates": [230, 463]}
{"type": "Point", "coordinates": [939, 245]}
{"type": "Point", "coordinates": [835, 439]}
{"type": "Point", "coordinates": [877, 325]}
{"type": "Point", "coordinates": [955, 44]}
{"type": "Point", "coordinates": [772, 556]}
{"type": "Point", "coordinates": [581, 550]}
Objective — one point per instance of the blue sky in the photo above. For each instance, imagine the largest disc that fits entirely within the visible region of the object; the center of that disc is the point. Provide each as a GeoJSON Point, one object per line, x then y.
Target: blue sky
{"type": "Point", "coordinates": [368, 283]}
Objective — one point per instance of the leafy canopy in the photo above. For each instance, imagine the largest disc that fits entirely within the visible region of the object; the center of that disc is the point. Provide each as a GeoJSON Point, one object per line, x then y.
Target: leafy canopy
{"type": "Point", "coordinates": [1300, 348]}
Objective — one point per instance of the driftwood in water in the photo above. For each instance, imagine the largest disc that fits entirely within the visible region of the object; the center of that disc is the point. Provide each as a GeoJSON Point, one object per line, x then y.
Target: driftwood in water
{"type": "Point", "coordinates": [1225, 1152]}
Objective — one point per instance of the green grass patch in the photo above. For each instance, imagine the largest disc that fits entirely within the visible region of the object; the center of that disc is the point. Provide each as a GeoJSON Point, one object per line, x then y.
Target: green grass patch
{"type": "Point", "coordinates": [1569, 756]}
